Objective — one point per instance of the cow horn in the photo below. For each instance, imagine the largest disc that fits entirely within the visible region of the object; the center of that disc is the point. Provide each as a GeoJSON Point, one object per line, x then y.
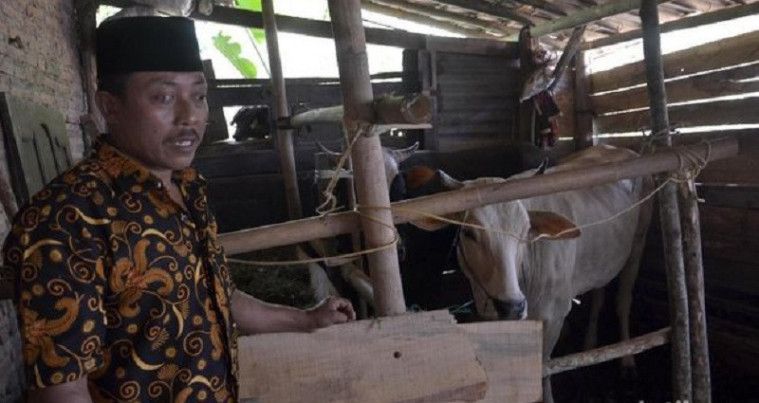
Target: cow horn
{"type": "Point", "coordinates": [327, 150]}
{"type": "Point", "coordinates": [404, 153]}
{"type": "Point", "coordinates": [542, 167]}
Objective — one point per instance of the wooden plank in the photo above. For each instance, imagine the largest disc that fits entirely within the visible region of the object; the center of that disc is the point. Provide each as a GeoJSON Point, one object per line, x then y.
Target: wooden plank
{"type": "Point", "coordinates": [511, 353]}
{"type": "Point", "coordinates": [723, 14]}
{"type": "Point", "coordinates": [414, 357]}
{"type": "Point", "coordinates": [711, 85]}
{"type": "Point", "coordinates": [713, 55]}
{"type": "Point", "coordinates": [36, 142]}
{"type": "Point", "coordinates": [716, 113]}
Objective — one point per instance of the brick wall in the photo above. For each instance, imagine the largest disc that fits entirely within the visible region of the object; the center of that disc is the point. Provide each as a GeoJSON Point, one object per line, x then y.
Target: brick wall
{"type": "Point", "coordinates": [39, 61]}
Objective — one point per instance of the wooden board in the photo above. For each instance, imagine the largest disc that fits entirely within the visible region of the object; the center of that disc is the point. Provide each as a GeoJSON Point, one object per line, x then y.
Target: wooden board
{"type": "Point", "coordinates": [741, 111]}
{"type": "Point", "coordinates": [510, 353]}
{"type": "Point", "coordinates": [411, 358]}
{"type": "Point", "coordinates": [36, 142]}
{"type": "Point", "coordinates": [712, 85]}
{"type": "Point", "coordinates": [713, 55]}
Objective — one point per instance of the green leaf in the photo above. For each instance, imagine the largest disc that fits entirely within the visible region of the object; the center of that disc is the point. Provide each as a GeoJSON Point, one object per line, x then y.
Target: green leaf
{"type": "Point", "coordinates": [231, 51]}
{"type": "Point", "coordinates": [253, 5]}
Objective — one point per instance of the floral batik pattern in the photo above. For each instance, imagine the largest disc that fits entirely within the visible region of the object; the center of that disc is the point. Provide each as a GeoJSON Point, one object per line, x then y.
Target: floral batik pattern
{"type": "Point", "coordinates": [117, 282]}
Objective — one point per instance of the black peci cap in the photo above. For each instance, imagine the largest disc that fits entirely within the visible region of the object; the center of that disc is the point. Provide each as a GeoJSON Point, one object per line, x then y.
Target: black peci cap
{"type": "Point", "coordinates": [133, 44]}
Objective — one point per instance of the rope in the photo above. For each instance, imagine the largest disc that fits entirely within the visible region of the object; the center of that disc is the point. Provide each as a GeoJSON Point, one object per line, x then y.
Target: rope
{"type": "Point", "coordinates": [330, 202]}
{"type": "Point", "coordinates": [330, 206]}
{"type": "Point", "coordinates": [271, 263]}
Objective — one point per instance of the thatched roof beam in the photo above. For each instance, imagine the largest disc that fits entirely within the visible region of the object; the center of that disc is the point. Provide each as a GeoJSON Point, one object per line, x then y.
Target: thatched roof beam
{"type": "Point", "coordinates": [444, 15]}
{"type": "Point", "coordinates": [688, 22]}
{"type": "Point", "coordinates": [487, 8]}
{"type": "Point", "coordinates": [544, 5]}
{"type": "Point", "coordinates": [585, 16]}
{"type": "Point", "coordinates": [425, 20]}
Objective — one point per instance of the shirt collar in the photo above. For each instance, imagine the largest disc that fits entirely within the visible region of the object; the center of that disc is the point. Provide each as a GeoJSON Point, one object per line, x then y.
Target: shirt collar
{"type": "Point", "coordinates": [127, 172]}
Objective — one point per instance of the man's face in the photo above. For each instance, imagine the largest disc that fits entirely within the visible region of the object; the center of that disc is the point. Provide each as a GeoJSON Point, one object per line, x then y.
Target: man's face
{"type": "Point", "coordinates": [161, 118]}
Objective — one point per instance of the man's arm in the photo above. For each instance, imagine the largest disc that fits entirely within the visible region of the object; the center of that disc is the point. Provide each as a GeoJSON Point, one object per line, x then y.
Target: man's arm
{"type": "Point", "coordinates": [69, 392]}
{"type": "Point", "coordinates": [255, 316]}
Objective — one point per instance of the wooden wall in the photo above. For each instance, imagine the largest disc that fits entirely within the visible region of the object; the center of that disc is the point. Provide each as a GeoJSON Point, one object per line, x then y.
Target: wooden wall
{"type": "Point", "coordinates": [718, 76]}
{"type": "Point", "coordinates": [245, 184]}
{"type": "Point", "coordinates": [476, 97]}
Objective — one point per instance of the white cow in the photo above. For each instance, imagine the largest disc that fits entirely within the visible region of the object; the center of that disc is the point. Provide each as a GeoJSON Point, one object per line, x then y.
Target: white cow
{"type": "Point", "coordinates": [513, 279]}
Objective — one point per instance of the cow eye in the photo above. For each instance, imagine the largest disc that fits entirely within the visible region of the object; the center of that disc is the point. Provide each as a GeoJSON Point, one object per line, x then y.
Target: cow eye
{"type": "Point", "coordinates": [469, 233]}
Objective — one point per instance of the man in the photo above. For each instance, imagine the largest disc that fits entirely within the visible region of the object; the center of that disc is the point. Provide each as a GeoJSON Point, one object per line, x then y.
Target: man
{"type": "Point", "coordinates": [123, 291]}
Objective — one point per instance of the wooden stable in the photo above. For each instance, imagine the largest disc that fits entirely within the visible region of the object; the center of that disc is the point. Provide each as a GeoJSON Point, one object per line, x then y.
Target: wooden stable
{"type": "Point", "coordinates": [470, 86]}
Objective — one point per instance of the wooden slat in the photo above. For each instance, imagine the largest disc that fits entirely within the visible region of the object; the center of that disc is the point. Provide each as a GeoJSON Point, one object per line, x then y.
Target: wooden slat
{"type": "Point", "coordinates": [741, 111]}
{"type": "Point", "coordinates": [711, 85]}
{"type": "Point", "coordinates": [713, 55]}
{"type": "Point", "coordinates": [415, 357]}
{"type": "Point", "coordinates": [724, 14]}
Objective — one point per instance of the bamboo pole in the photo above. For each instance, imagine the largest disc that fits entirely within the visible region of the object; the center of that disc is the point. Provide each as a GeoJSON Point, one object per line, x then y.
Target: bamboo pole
{"type": "Point", "coordinates": [389, 110]}
{"type": "Point", "coordinates": [694, 279]}
{"type": "Point", "coordinates": [467, 198]}
{"type": "Point", "coordinates": [584, 16]}
{"type": "Point", "coordinates": [284, 136]}
{"type": "Point", "coordinates": [595, 356]}
{"type": "Point", "coordinates": [369, 170]}
{"type": "Point", "coordinates": [668, 209]}
{"type": "Point", "coordinates": [724, 14]}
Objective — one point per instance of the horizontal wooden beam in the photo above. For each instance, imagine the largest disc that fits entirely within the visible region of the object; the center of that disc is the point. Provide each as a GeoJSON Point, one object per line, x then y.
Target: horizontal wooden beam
{"type": "Point", "coordinates": [389, 110]}
{"type": "Point", "coordinates": [607, 353]}
{"type": "Point", "coordinates": [716, 113]}
{"type": "Point", "coordinates": [710, 85]}
{"type": "Point", "coordinates": [710, 56]}
{"type": "Point", "coordinates": [585, 16]}
{"type": "Point", "coordinates": [449, 202]}
{"type": "Point", "coordinates": [723, 14]}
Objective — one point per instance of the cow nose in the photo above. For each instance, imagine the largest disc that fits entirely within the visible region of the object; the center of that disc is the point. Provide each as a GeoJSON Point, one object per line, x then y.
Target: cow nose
{"type": "Point", "coordinates": [511, 310]}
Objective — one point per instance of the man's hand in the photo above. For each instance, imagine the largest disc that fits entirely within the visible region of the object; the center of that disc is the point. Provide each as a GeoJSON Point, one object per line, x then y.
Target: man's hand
{"type": "Point", "coordinates": [330, 311]}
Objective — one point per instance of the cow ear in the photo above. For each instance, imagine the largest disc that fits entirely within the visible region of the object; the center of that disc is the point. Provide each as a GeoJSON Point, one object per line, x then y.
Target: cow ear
{"type": "Point", "coordinates": [418, 176]}
{"type": "Point", "coordinates": [553, 225]}
{"type": "Point", "coordinates": [430, 224]}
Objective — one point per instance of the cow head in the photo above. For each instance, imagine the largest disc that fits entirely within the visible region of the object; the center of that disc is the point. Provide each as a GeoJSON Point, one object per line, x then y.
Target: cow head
{"type": "Point", "coordinates": [494, 260]}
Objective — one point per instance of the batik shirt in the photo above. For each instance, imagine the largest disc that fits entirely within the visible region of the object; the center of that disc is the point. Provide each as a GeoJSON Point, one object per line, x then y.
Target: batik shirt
{"type": "Point", "coordinates": [117, 282]}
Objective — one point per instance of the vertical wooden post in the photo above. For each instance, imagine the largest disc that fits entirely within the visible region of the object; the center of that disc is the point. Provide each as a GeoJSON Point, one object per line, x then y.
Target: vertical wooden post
{"type": "Point", "coordinates": [668, 209]}
{"type": "Point", "coordinates": [369, 170]}
{"type": "Point", "coordinates": [583, 112]}
{"type": "Point", "coordinates": [694, 279]}
{"type": "Point", "coordinates": [284, 136]}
